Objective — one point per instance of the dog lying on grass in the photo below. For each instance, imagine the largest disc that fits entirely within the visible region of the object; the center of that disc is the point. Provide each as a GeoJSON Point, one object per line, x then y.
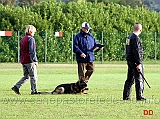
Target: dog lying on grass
{"type": "Point", "coordinates": [70, 88]}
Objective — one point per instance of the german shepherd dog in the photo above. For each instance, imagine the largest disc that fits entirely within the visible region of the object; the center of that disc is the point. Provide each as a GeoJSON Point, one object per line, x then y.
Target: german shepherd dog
{"type": "Point", "coordinates": [69, 88]}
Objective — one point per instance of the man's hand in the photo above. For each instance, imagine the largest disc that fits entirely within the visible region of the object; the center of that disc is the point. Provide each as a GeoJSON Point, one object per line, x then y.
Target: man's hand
{"type": "Point", "coordinates": [139, 68]}
{"type": "Point", "coordinates": [101, 48]}
{"type": "Point", "coordinates": [83, 55]}
{"type": "Point", "coordinates": [36, 63]}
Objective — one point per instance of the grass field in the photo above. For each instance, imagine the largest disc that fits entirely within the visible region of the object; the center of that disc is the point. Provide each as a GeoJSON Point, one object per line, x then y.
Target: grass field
{"type": "Point", "coordinates": [103, 101]}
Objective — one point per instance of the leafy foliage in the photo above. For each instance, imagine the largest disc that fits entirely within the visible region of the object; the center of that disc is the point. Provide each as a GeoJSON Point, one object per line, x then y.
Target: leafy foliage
{"type": "Point", "coordinates": [110, 24]}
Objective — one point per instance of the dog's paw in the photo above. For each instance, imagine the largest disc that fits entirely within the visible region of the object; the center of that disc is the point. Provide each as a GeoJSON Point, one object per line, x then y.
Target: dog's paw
{"type": "Point", "coordinates": [82, 93]}
{"type": "Point", "coordinates": [85, 93]}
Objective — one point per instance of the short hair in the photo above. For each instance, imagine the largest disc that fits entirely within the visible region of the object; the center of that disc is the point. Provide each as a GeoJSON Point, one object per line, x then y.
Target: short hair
{"type": "Point", "coordinates": [30, 29]}
{"type": "Point", "coordinates": [137, 26]}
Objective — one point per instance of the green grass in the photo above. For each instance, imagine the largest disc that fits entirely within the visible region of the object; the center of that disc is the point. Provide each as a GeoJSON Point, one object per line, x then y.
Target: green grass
{"type": "Point", "coordinates": [103, 101]}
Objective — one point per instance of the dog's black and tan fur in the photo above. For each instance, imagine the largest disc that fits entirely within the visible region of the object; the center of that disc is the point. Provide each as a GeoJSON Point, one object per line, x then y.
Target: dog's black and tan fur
{"type": "Point", "coordinates": [70, 88]}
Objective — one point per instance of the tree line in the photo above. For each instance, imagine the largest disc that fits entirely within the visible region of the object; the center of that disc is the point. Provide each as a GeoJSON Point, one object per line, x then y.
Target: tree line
{"type": "Point", "coordinates": [148, 4]}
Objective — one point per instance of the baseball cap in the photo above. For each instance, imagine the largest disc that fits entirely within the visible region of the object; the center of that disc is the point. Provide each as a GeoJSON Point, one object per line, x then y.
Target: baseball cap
{"type": "Point", "coordinates": [86, 25]}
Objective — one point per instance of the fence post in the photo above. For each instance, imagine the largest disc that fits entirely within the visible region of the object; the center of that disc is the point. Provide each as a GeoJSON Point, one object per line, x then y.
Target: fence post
{"type": "Point", "coordinates": [72, 47]}
{"type": "Point", "coordinates": [45, 53]}
{"type": "Point", "coordinates": [102, 50]}
{"type": "Point", "coordinates": [155, 40]}
{"type": "Point", "coordinates": [18, 45]}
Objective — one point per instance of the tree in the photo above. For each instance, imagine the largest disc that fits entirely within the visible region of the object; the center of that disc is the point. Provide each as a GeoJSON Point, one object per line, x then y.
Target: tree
{"type": "Point", "coordinates": [22, 3]}
{"type": "Point", "coordinates": [131, 3]}
{"type": "Point", "coordinates": [8, 2]}
{"type": "Point", "coordinates": [151, 5]}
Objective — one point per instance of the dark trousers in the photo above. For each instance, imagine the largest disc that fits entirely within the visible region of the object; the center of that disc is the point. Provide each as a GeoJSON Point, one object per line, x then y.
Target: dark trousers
{"type": "Point", "coordinates": [85, 70]}
{"type": "Point", "coordinates": [133, 76]}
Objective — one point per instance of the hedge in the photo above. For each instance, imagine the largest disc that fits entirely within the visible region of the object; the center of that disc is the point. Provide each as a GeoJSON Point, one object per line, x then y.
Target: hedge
{"type": "Point", "coordinates": [113, 20]}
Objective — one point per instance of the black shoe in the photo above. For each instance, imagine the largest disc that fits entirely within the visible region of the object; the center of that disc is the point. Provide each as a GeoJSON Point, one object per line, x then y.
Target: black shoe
{"type": "Point", "coordinates": [35, 93]}
{"type": "Point", "coordinates": [141, 99]}
{"type": "Point", "coordinates": [16, 90]}
{"type": "Point", "coordinates": [86, 88]}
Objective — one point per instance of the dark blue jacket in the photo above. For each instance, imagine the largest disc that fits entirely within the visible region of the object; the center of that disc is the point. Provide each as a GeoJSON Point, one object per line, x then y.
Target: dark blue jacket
{"type": "Point", "coordinates": [84, 43]}
{"type": "Point", "coordinates": [28, 50]}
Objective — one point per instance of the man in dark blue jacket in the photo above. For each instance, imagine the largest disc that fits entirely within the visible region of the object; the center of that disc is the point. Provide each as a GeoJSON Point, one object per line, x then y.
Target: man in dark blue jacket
{"type": "Point", "coordinates": [83, 46]}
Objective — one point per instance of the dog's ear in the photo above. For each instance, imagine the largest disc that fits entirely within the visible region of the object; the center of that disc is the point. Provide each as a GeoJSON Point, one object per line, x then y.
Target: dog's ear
{"type": "Point", "coordinates": [82, 83]}
{"type": "Point", "coordinates": [77, 83]}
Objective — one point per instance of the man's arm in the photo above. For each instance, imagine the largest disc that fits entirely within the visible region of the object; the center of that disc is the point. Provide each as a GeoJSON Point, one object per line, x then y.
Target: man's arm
{"type": "Point", "coordinates": [76, 46]}
{"type": "Point", "coordinates": [32, 49]}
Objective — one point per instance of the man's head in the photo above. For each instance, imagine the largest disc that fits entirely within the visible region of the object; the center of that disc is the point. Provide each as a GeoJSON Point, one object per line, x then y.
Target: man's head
{"type": "Point", "coordinates": [30, 30]}
{"type": "Point", "coordinates": [137, 28]}
{"type": "Point", "coordinates": [85, 27]}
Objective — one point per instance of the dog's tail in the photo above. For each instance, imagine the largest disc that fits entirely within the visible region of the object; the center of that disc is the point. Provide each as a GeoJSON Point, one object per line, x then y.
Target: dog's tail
{"type": "Point", "coordinates": [59, 90]}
